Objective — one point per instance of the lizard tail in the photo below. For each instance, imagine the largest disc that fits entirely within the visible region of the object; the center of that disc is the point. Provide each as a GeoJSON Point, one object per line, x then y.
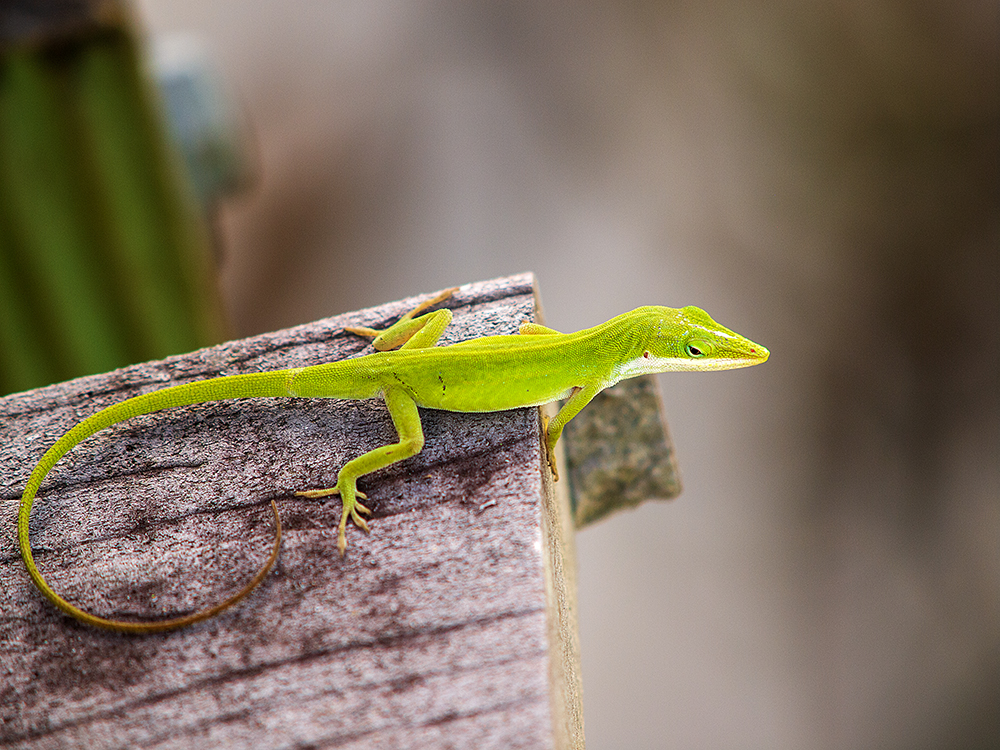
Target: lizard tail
{"type": "Point", "coordinates": [265, 384]}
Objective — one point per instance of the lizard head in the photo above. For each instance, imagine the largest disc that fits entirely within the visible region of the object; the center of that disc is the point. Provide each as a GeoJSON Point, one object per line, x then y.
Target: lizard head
{"type": "Point", "coordinates": [686, 338]}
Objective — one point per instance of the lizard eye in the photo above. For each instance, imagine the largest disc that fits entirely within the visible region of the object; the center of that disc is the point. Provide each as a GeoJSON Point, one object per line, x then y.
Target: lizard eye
{"type": "Point", "coordinates": [695, 349]}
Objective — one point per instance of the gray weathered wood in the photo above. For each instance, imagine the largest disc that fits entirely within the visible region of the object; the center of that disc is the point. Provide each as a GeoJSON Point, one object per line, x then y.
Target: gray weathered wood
{"type": "Point", "coordinates": [451, 625]}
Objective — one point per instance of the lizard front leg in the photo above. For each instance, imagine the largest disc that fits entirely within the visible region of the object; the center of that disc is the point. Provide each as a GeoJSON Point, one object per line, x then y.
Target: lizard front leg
{"type": "Point", "coordinates": [553, 428]}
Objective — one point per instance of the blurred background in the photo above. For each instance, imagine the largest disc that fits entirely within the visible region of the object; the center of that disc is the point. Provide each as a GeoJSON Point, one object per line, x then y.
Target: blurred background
{"type": "Point", "coordinates": [821, 178]}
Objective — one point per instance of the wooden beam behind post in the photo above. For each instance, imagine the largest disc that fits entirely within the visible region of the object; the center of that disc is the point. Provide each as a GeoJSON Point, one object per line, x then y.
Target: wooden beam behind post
{"type": "Point", "coordinates": [451, 625]}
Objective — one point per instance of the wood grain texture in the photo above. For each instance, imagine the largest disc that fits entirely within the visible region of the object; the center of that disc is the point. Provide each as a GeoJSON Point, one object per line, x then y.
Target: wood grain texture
{"type": "Point", "coordinates": [436, 630]}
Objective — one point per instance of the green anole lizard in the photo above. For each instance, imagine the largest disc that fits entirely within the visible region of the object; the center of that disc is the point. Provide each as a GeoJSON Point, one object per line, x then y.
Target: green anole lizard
{"type": "Point", "coordinates": [494, 373]}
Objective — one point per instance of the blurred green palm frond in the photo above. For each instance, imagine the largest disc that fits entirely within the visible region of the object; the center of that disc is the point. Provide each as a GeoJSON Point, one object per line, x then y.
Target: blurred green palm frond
{"type": "Point", "coordinates": [105, 256]}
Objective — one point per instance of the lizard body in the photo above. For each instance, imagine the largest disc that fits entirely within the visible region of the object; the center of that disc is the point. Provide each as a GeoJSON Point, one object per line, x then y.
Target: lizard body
{"type": "Point", "coordinates": [493, 373]}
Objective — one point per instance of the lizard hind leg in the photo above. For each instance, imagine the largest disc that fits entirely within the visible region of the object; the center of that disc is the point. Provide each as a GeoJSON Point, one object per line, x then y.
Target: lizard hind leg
{"type": "Point", "coordinates": [406, 419]}
{"type": "Point", "coordinates": [412, 330]}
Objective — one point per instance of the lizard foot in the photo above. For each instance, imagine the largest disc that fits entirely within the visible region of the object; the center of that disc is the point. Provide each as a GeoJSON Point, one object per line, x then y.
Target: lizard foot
{"type": "Point", "coordinates": [352, 513]}
{"type": "Point", "coordinates": [550, 451]}
{"type": "Point", "coordinates": [352, 509]}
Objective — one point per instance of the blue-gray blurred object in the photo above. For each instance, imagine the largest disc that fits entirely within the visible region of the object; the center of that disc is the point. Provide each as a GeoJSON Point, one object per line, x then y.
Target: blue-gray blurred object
{"type": "Point", "coordinates": [202, 119]}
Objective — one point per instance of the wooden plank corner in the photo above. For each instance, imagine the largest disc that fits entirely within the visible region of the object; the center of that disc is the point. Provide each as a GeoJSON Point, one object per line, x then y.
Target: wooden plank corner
{"type": "Point", "coordinates": [451, 625]}
{"type": "Point", "coordinates": [619, 453]}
